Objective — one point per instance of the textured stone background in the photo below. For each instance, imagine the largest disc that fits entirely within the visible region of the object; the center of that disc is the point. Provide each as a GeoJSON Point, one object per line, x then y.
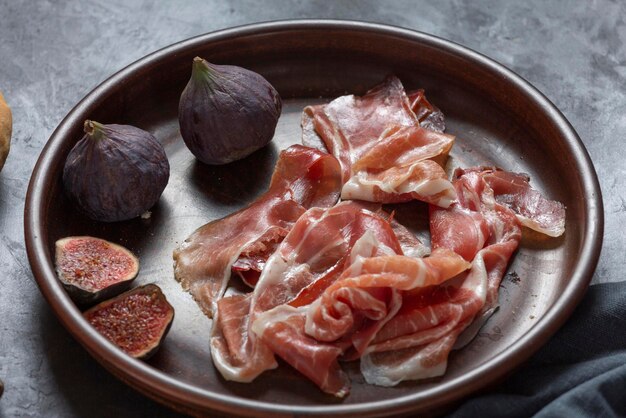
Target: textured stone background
{"type": "Point", "coordinates": [52, 53]}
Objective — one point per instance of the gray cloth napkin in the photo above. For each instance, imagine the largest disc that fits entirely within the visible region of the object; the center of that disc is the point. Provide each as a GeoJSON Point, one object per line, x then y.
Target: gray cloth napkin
{"type": "Point", "coordinates": [580, 372]}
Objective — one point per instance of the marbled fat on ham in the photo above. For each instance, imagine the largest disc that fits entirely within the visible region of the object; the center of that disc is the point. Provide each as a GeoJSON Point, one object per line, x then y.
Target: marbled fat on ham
{"type": "Point", "coordinates": [346, 318]}
{"type": "Point", "coordinates": [532, 209]}
{"type": "Point", "coordinates": [310, 258]}
{"type": "Point", "coordinates": [415, 344]}
{"type": "Point", "coordinates": [332, 284]}
{"type": "Point", "coordinates": [303, 178]}
{"type": "Point", "coordinates": [385, 154]}
{"type": "Point", "coordinates": [429, 116]}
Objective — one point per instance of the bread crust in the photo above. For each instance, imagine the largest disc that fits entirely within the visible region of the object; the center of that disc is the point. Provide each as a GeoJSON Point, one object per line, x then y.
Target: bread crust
{"type": "Point", "coordinates": [6, 125]}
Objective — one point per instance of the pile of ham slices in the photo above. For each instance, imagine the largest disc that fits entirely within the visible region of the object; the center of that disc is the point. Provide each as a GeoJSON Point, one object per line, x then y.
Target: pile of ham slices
{"type": "Point", "coordinates": [333, 276]}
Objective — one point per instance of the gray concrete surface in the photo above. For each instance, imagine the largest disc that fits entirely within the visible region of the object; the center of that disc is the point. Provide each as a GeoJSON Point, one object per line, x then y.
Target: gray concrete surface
{"type": "Point", "coordinates": [52, 53]}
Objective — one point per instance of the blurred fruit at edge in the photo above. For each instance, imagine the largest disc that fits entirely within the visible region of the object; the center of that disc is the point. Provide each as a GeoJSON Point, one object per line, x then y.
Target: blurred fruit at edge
{"type": "Point", "coordinates": [6, 125]}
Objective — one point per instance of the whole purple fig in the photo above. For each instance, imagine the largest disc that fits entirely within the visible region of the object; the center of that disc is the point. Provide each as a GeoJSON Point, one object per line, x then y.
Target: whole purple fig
{"type": "Point", "coordinates": [227, 112]}
{"type": "Point", "coordinates": [115, 172]}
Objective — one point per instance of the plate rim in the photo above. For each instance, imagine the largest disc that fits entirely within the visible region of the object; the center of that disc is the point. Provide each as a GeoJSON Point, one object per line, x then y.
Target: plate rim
{"type": "Point", "coordinates": [180, 395]}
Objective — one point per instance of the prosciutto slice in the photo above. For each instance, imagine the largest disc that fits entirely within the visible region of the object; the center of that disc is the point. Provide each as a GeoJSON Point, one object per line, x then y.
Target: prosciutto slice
{"type": "Point", "coordinates": [282, 330]}
{"type": "Point", "coordinates": [333, 314]}
{"type": "Point", "coordinates": [311, 257]}
{"type": "Point", "coordinates": [404, 164]}
{"type": "Point", "coordinates": [303, 178]}
{"type": "Point", "coordinates": [319, 265]}
{"type": "Point", "coordinates": [385, 155]}
{"type": "Point", "coordinates": [350, 312]}
{"type": "Point", "coordinates": [532, 209]}
{"type": "Point", "coordinates": [415, 344]}
{"type": "Point", "coordinates": [402, 316]}
{"type": "Point", "coordinates": [429, 116]}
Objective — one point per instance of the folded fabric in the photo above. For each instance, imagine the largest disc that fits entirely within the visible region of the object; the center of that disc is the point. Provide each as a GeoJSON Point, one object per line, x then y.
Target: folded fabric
{"type": "Point", "coordinates": [580, 372]}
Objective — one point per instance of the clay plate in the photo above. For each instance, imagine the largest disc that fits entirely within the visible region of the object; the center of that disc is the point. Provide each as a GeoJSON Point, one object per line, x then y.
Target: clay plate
{"type": "Point", "coordinates": [498, 119]}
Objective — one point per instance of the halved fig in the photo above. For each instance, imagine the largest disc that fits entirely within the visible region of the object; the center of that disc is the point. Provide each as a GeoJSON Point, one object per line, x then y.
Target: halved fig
{"type": "Point", "coordinates": [136, 321]}
{"type": "Point", "coordinates": [93, 269]}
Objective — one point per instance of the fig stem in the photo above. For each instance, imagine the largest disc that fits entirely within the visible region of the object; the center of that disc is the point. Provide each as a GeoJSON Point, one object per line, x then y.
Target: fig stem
{"type": "Point", "coordinates": [94, 129]}
{"type": "Point", "coordinates": [201, 70]}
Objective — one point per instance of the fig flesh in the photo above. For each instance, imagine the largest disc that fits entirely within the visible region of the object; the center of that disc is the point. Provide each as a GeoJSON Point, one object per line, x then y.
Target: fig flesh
{"type": "Point", "coordinates": [136, 321]}
{"type": "Point", "coordinates": [115, 172]}
{"type": "Point", "coordinates": [227, 112]}
{"type": "Point", "coordinates": [92, 269]}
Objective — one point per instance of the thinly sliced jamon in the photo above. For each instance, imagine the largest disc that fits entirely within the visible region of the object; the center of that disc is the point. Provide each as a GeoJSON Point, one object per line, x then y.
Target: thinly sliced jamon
{"type": "Point", "coordinates": [303, 178]}
{"type": "Point", "coordinates": [233, 348]}
{"type": "Point", "coordinates": [532, 209]}
{"type": "Point", "coordinates": [282, 330]}
{"type": "Point", "coordinates": [403, 165]}
{"type": "Point", "coordinates": [429, 115]}
{"type": "Point", "coordinates": [358, 291]}
{"type": "Point", "coordinates": [385, 155]}
{"type": "Point", "coordinates": [415, 344]}
{"type": "Point", "coordinates": [515, 198]}
{"type": "Point", "coordinates": [310, 258]}
{"type": "Point", "coordinates": [350, 125]}
{"type": "Point", "coordinates": [349, 313]}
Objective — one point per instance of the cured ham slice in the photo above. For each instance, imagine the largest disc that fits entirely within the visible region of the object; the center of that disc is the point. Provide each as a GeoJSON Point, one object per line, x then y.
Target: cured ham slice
{"type": "Point", "coordinates": [349, 313]}
{"type": "Point", "coordinates": [429, 116]}
{"type": "Point", "coordinates": [532, 209]}
{"type": "Point", "coordinates": [385, 155]}
{"type": "Point", "coordinates": [282, 329]}
{"type": "Point", "coordinates": [322, 250]}
{"type": "Point", "coordinates": [416, 342]}
{"type": "Point", "coordinates": [403, 165]}
{"type": "Point", "coordinates": [234, 350]}
{"type": "Point", "coordinates": [333, 314]}
{"type": "Point", "coordinates": [350, 125]}
{"type": "Point", "coordinates": [303, 178]}
{"type": "Point", "coordinates": [311, 257]}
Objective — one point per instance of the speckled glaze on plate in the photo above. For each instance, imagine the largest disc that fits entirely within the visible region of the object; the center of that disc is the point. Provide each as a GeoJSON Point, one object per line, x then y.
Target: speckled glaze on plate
{"type": "Point", "coordinates": [498, 118]}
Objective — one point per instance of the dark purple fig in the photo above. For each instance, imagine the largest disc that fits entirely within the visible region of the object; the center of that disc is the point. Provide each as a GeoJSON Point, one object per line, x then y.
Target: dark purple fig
{"type": "Point", "coordinates": [136, 321]}
{"type": "Point", "coordinates": [92, 269]}
{"type": "Point", "coordinates": [227, 112]}
{"type": "Point", "coordinates": [115, 172]}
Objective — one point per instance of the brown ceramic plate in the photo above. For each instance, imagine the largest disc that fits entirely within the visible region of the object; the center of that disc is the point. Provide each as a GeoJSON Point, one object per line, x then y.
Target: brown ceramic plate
{"type": "Point", "coordinates": [498, 119]}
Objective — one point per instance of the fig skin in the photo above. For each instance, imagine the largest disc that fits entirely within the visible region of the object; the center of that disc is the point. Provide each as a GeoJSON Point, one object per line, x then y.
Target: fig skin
{"type": "Point", "coordinates": [227, 112]}
{"type": "Point", "coordinates": [115, 172]}
{"type": "Point", "coordinates": [125, 320]}
{"type": "Point", "coordinates": [93, 269]}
